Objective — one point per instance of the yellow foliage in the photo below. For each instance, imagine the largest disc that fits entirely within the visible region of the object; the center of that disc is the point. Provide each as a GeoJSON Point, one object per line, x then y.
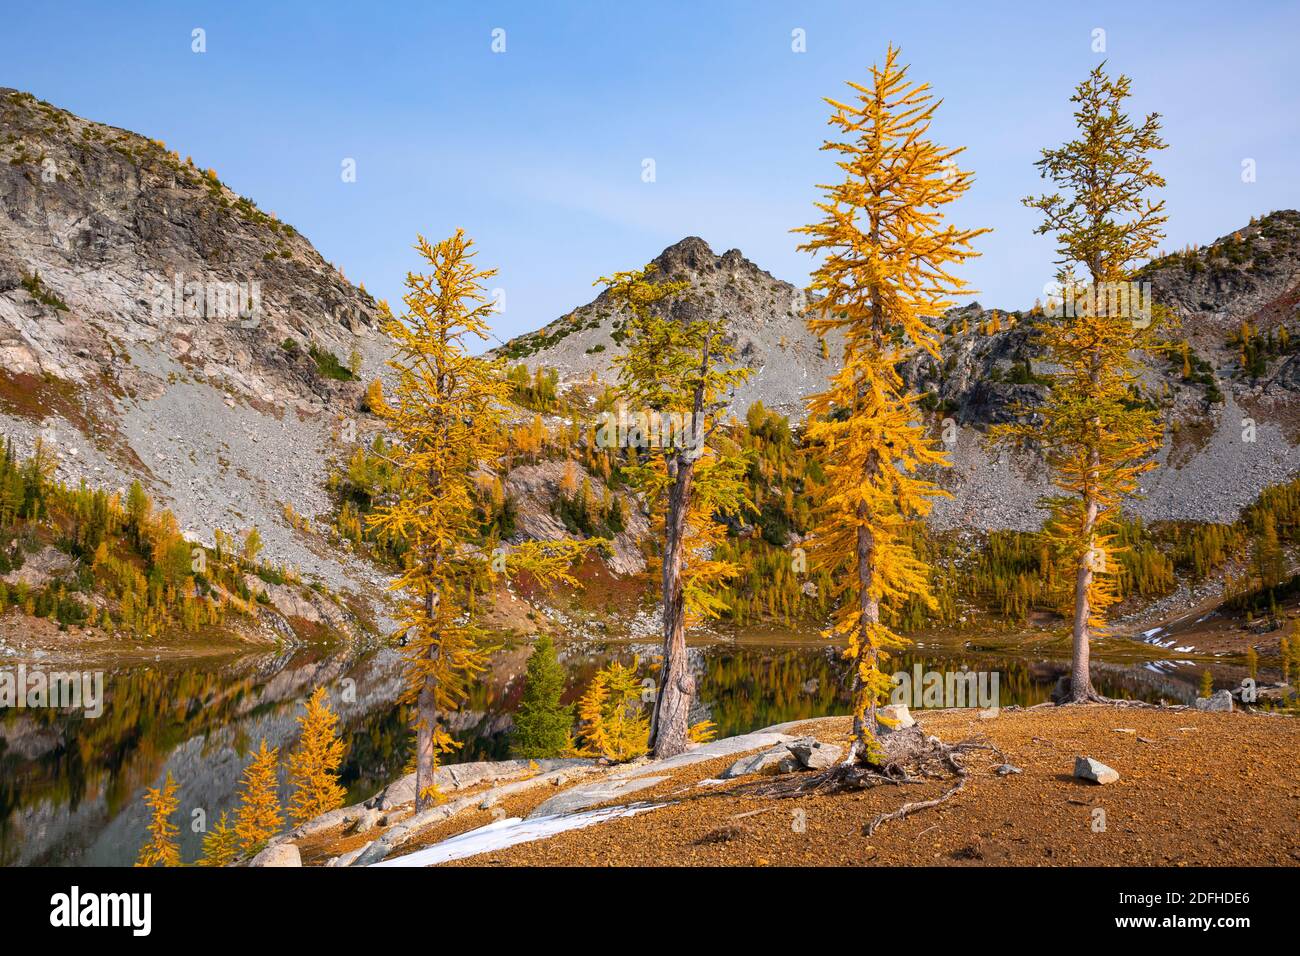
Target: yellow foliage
{"type": "Point", "coordinates": [1096, 435]}
{"type": "Point", "coordinates": [374, 400]}
{"type": "Point", "coordinates": [258, 818]}
{"type": "Point", "coordinates": [220, 845]}
{"type": "Point", "coordinates": [611, 717]}
{"type": "Point", "coordinates": [161, 848]}
{"type": "Point", "coordinates": [885, 254]}
{"type": "Point", "coordinates": [679, 370]}
{"type": "Point", "coordinates": [702, 732]}
{"type": "Point", "coordinates": [314, 766]}
{"type": "Point", "coordinates": [447, 412]}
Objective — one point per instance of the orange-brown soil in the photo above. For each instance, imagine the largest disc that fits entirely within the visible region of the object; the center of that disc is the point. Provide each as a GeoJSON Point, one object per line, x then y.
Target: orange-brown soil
{"type": "Point", "coordinates": [1196, 789]}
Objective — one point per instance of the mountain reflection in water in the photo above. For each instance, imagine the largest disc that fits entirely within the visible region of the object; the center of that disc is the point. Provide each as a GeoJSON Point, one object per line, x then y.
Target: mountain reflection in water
{"type": "Point", "coordinates": [72, 788]}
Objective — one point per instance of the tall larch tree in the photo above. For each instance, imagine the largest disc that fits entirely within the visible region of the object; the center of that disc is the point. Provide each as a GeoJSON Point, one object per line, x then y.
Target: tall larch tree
{"type": "Point", "coordinates": [883, 276]}
{"type": "Point", "coordinates": [1095, 431]}
{"type": "Point", "coordinates": [676, 375]}
{"type": "Point", "coordinates": [161, 848]}
{"type": "Point", "coordinates": [448, 415]}
{"type": "Point", "coordinates": [314, 765]}
{"type": "Point", "coordinates": [258, 818]}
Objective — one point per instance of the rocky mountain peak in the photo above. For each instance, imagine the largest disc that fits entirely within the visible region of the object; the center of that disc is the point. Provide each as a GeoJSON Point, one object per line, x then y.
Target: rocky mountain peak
{"type": "Point", "coordinates": [125, 244]}
{"type": "Point", "coordinates": [693, 257]}
{"type": "Point", "coordinates": [691, 254]}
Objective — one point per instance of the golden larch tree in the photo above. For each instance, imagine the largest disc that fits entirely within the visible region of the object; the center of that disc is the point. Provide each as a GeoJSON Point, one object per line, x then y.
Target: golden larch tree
{"type": "Point", "coordinates": [314, 765]}
{"type": "Point", "coordinates": [883, 276]}
{"type": "Point", "coordinates": [220, 844]}
{"type": "Point", "coordinates": [161, 848]}
{"type": "Point", "coordinates": [447, 413]}
{"type": "Point", "coordinates": [611, 717]}
{"type": "Point", "coordinates": [257, 817]}
{"type": "Point", "coordinates": [1096, 432]}
{"type": "Point", "coordinates": [677, 374]}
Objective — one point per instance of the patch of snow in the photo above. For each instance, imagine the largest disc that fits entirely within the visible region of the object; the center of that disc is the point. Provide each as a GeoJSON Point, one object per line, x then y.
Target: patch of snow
{"type": "Point", "coordinates": [501, 834]}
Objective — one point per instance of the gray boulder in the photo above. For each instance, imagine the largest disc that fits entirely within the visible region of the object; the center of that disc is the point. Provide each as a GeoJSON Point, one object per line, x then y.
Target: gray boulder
{"type": "Point", "coordinates": [365, 821]}
{"type": "Point", "coordinates": [765, 762]}
{"type": "Point", "coordinates": [813, 754]}
{"type": "Point", "coordinates": [1085, 768]}
{"type": "Point", "coordinates": [1219, 701]}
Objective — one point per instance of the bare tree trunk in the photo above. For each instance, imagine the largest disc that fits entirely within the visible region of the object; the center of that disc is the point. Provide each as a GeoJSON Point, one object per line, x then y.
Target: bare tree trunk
{"type": "Point", "coordinates": [426, 710]}
{"type": "Point", "coordinates": [669, 724]}
{"type": "Point", "coordinates": [426, 715]}
{"type": "Point", "coordinates": [864, 712]}
{"type": "Point", "coordinates": [1080, 679]}
{"type": "Point", "coordinates": [671, 718]}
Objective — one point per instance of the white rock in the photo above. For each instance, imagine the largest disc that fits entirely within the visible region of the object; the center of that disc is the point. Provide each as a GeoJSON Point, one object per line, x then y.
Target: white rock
{"type": "Point", "coordinates": [898, 717]}
{"type": "Point", "coordinates": [282, 854]}
{"type": "Point", "coordinates": [1085, 768]}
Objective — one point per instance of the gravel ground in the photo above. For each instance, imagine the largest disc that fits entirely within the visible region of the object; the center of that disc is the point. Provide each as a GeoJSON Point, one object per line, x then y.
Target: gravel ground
{"type": "Point", "coordinates": [1196, 789]}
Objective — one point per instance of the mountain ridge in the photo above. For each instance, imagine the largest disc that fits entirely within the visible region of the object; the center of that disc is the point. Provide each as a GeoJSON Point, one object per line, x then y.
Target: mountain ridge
{"type": "Point", "coordinates": [987, 370]}
{"type": "Point", "coordinates": [156, 325]}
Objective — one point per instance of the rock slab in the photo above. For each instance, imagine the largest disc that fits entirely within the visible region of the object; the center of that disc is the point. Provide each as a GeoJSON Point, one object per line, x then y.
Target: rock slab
{"type": "Point", "coordinates": [1085, 768]}
{"type": "Point", "coordinates": [282, 854]}
{"type": "Point", "coordinates": [1220, 701]}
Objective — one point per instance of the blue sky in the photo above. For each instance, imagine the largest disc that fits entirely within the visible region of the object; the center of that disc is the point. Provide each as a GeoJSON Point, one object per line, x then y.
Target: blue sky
{"type": "Point", "coordinates": [537, 152]}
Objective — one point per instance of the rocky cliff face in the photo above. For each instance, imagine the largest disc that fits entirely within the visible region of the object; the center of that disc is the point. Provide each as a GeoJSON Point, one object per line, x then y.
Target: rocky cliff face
{"type": "Point", "coordinates": [991, 365]}
{"type": "Point", "coordinates": [154, 324]}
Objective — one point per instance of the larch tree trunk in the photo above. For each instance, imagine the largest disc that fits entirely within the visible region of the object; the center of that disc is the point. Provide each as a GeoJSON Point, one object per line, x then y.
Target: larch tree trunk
{"type": "Point", "coordinates": [1080, 675]}
{"type": "Point", "coordinates": [670, 722]}
{"type": "Point", "coordinates": [426, 705]}
{"type": "Point", "coordinates": [1080, 678]}
{"type": "Point", "coordinates": [426, 714]}
{"type": "Point", "coordinates": [864, 722]}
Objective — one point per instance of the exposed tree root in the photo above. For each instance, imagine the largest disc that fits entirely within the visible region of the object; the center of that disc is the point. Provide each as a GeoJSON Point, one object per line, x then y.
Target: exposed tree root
{"type": "Point", "coordinates": [910, 757]}
{"type": "Point", "coordinates": [1096, 699]}
{"type": "Point", "coordinates": [1062, 696]}
{"type": "Point", "coordinates": [908, 809]}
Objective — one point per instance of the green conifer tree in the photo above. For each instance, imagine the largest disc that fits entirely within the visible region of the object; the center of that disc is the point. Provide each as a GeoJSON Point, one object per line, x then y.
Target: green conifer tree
{"type": "Point", "coordinates": [543, 725]}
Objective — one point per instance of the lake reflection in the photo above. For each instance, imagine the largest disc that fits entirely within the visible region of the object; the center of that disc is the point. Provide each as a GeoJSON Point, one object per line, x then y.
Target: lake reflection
{"type": "Point", "coordinates": [71, 788]}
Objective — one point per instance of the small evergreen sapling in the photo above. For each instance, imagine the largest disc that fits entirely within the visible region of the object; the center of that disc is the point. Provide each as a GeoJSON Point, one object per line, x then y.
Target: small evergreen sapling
{"type": "Point", "coordinates": [543, 725]}
{"type": "Point", "coordinates": [220, 846]}
{"type": "Point", "coordinates": [613, 723]}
